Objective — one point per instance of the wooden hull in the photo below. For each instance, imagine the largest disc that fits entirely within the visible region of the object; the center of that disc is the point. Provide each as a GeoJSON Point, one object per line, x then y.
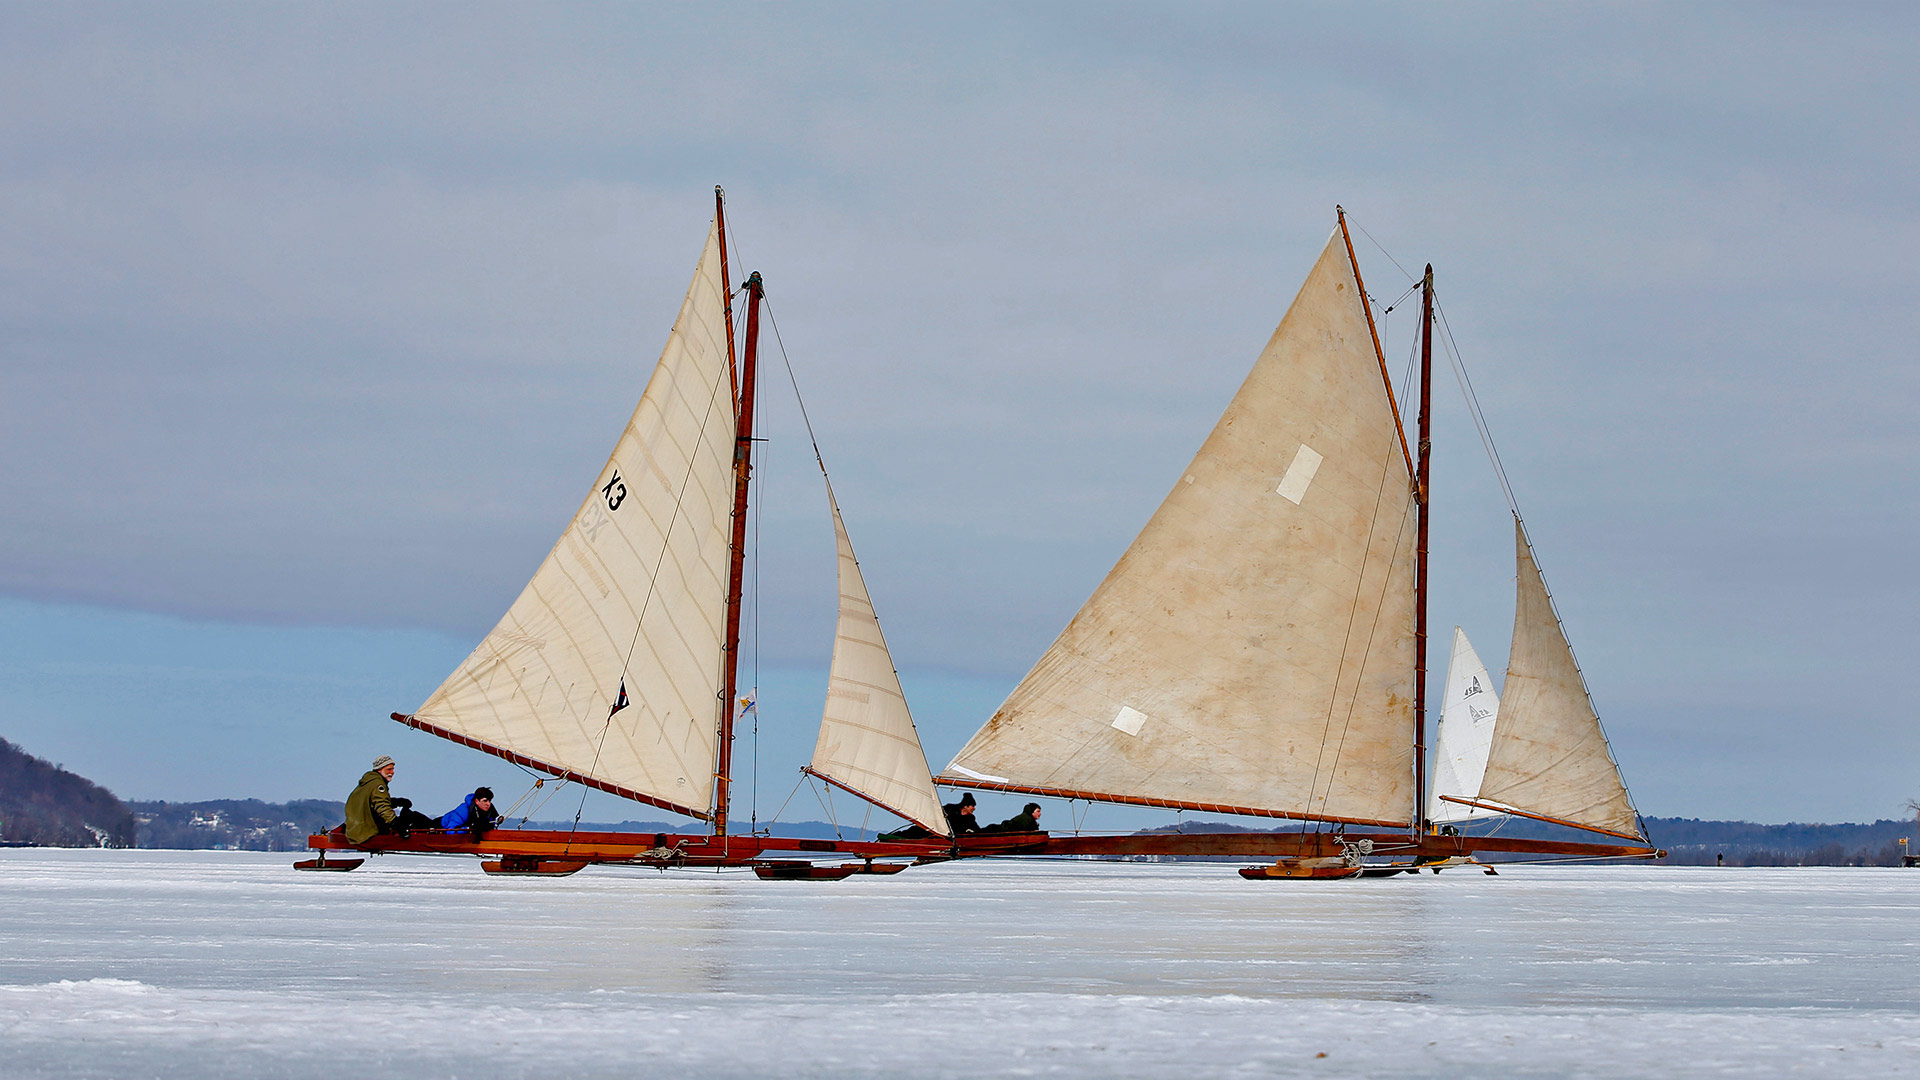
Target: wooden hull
{"type": "Point", "coordinates": [324, 863]}
{"type": "Point", "coordinates": [1302, 870]}
{"type": "Point", "coordinates": [526, 866]}
{"type": "Point", "coordinates": [671, 850]}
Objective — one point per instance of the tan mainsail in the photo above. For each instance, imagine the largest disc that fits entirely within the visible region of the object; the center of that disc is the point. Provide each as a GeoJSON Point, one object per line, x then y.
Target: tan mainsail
{"type": "Point", "coordinates": [633, 594]}
{"type": "Point", "coordinates": [868, 743]}
{"type": "Point", "coordinates": [1253, 650]}
{"type": "Point", "coordinates": [1549, 756]}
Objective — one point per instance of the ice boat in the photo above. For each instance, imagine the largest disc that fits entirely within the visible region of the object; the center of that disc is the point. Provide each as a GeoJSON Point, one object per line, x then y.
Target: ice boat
{"type": "Point", "coordinates": [1260, 650]}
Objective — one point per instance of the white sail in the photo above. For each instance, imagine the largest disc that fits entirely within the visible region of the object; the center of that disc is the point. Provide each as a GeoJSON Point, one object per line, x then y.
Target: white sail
{"type": "Point", "coordinates": [1253, 650]}
{"type": "Point", "coordinates": [1549, 755]}
{"type": "Point", "coordinates": [867, 742]}
{"type": "Point", "coordinates": [1466, 732]}
{"type": "Point", "coordinates": [632, 595]}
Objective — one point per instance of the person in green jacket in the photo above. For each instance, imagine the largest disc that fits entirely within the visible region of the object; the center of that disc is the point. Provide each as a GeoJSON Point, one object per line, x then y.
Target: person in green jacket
{"type": "Point", "coordinates": [370, 809]}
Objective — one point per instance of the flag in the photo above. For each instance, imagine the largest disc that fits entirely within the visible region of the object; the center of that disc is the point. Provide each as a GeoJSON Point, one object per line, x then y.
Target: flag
{"type": "Point", "coordinates": [746, 704]}
{"type": "Point", "coordinates": [619, 702]}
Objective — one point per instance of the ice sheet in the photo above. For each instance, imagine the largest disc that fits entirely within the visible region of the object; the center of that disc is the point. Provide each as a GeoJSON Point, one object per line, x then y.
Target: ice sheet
{"type": "Point", "coordinates": [230, 964]}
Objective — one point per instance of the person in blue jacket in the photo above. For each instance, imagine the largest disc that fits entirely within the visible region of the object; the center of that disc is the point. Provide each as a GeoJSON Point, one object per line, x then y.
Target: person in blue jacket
{"type": "Point", "coordinates": [475, 814]}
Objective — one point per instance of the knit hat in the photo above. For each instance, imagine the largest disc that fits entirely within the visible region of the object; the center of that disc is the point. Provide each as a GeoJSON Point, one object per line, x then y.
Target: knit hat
{"type": "Point", "coordinates": [967, 799]}
{"type": "Point", "coordinates": [381, 762]}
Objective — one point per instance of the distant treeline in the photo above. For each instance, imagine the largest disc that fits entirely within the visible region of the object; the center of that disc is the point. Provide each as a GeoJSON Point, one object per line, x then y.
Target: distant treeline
{"type": "Point", "coordinates": [236, 824]}
{"type": "Point", "coordinates": [42, 803]}
{"type": "Point", "coordinates": [1693, 842]}
{"type": "Point", "coordinates": [252, 825]}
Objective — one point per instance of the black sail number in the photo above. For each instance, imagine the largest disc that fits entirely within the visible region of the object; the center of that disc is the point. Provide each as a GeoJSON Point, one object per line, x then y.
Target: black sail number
{"type": "Point", "coordinates": [615, 491]}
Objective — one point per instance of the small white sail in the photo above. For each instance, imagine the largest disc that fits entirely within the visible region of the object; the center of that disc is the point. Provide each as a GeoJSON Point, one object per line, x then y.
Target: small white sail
{"type": "Point", "coordinates": [1466, 732]}
{"type": "Point", "coordinates": [1549, 755]}
{"type": "Point", "coordinates": [867, 742]}
{"type": "Point", "coordinates": [1253, 649]}
{"type": "Point", "coordinates": [633, 595]}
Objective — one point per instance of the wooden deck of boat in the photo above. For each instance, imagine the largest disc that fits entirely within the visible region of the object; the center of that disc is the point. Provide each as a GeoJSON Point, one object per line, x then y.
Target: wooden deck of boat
{"type": "Point", "coordinates": [700, 849]}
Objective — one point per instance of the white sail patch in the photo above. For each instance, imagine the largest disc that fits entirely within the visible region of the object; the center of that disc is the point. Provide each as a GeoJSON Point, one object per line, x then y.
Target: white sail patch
{"type": "Point", "coordinates": [1129, 720]}
{"type": "Point", "coordinates": [1293, 486]}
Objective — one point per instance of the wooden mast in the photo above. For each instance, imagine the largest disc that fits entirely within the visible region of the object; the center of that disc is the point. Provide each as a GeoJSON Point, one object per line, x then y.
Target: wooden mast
{"type": "Point", "coordinates": [737, 555]}
{"type": "Point", "coordinates": [1420, 496]}
{"type": "Point", "coordinates": [1373, 332]}
{"type": "Point", "coordinates": [726, 284]}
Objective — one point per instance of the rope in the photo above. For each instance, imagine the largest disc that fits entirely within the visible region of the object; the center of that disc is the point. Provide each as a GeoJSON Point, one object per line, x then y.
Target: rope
{"type": "Point", "coordinates": [538, 783]}
{"type": "Point", "coordinates": [753, 803]}
{"type": "Point", "coordinates": [826, 805]}
{"type": "Point", "coordinates": [1383, 251]}
{"type": "Point", "coordinates": [536, 808]}
{"type": "Point", "coordinates": [1353, 612]}
{"type": "Point", "coordinates": [1473, 406]}
{"type": "Point", "coordinates": [1354, 702]}
{"type": "Point", "coordinates": [788, 799]}
{"type": "Point", "coordinates": [1513, 505]}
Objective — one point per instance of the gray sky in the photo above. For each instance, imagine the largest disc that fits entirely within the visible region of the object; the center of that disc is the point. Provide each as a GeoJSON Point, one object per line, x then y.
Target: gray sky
{"type": "Point", "coordinates": [325, 316]}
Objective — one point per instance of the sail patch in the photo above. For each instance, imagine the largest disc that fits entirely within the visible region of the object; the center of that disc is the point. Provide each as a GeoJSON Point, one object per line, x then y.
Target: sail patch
{"type": "Point", "coordinates": [1129, 720]}
{"type": "Point", "coordinates": [1293, 486]}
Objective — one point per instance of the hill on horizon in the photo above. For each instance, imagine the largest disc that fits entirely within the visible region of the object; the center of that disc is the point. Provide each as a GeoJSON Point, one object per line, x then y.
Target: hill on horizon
{"type": "Point", "coordinates": [42, 803]}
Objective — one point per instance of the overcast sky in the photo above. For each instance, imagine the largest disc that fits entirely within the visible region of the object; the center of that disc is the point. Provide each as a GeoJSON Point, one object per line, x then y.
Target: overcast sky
{"type": "Point", "coordinates": [320, 320]}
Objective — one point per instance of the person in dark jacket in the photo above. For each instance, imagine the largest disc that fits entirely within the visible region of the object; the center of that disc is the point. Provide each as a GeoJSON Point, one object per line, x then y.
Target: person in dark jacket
{"type": "Point", "coordinates": [1027, 820]}
{"type": "Point", "coordinates": [475, 815]}
{"type": "Point", "coordinates": [960, 816]}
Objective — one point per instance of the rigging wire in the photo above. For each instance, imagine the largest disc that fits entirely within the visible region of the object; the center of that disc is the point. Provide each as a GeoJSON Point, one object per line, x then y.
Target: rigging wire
{"type": "Point", "coordinates": [1513, 505]}
{"type": "Point", "coordinates": [753, 811]}
{"type": "Point", "coordinates": [790, 794]}
{"type": "Point", "coordinates": [1473, 405]}
{"type": "Point", "coordinates": [1383, 251]}
{"type": "Point", "coordinates": [1380, 495]}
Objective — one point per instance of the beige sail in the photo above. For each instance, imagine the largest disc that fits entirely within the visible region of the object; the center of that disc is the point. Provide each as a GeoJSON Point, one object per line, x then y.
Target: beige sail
{"type": "Point", "coordinates": [867, 742]}
{"type": "Point", "coordinates": [633, 594]}
{"type": "Point", "coordinates": [1549, 755]}
{"type": "Point", "coordinates": [1254, 649]}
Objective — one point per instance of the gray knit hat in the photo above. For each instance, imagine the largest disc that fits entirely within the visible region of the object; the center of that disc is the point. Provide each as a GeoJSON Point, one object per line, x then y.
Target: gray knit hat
{"type": "Point", "coordinates": [381, 762]}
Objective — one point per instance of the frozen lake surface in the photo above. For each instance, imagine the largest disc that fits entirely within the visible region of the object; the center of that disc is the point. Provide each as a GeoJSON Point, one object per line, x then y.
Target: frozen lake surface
{"type": "Point", "coordinates": [231, 964]}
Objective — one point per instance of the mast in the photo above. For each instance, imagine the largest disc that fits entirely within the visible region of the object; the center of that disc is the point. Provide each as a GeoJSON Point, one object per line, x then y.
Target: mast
{"type": "Point", "coordinates": [726, 282]}
{"type": "Point", "coordinates": [1420, 498]}
{"type": "Point", "coordinates": [737, 554]}
{"type": "Point", "coordinates": [1373, 332]}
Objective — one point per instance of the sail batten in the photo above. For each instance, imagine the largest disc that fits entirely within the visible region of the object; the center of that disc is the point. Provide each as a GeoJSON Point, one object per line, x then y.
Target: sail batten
{"type": "Point", "coordinates": [612, 654]}
{"type": "Point", "coordinates": [1549, 755]}
{"type": "Point", "coordinates": [1253, 648]}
